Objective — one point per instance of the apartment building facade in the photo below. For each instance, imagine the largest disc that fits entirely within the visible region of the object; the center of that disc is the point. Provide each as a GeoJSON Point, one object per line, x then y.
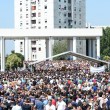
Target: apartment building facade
{"type": "Point", "coordinates": [48, 14]}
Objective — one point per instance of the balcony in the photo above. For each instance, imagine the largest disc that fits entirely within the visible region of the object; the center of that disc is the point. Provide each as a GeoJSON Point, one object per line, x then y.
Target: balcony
{"type": "Point", "coordinates": [33, 3]}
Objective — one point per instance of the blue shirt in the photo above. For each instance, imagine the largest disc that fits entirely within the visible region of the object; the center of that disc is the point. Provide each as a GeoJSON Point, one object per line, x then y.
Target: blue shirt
{"type": "Point", "coordinates": [39, 105]}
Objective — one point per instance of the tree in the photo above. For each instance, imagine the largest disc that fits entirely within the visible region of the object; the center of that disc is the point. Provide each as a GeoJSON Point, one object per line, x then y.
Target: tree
{"type": "Point", "coordinates": [14, 60]}
{"type": "Point", "coordinates": [59, 47]}
{"type": "Point", "coordinates": [107, 58]}
{"type": "Point", "coordinates": [105, 42]}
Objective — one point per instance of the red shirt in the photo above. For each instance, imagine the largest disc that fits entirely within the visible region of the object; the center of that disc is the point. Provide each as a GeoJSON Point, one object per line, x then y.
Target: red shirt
{"type": "Point", "coordinates": [54, 102]}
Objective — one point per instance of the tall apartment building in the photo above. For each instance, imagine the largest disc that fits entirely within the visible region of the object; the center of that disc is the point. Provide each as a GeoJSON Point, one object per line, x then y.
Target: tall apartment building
{"type": "Point", "coordinates": [48, 14]}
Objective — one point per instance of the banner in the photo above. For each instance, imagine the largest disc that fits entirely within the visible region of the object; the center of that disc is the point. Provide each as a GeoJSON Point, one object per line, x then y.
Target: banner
{"type": "Point", "coordinates": [97, 69]}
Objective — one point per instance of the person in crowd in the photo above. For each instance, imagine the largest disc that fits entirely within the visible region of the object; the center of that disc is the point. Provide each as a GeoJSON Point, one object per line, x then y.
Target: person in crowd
{"type": "Point", "coordinates": [56, 85]}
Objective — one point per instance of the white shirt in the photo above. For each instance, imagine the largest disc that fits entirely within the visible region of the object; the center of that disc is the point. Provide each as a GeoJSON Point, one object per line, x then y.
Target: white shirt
{"type": "Point", "coordinates": [16, 107]}
{"type": "Point", "coordinates": [61, 105]}
{"type": "Point", "coordinates": [48, 107]}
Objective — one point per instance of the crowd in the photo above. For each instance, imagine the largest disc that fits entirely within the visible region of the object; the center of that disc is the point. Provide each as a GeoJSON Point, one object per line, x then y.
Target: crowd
{"type": "Point", "coordinates": [56, 85]}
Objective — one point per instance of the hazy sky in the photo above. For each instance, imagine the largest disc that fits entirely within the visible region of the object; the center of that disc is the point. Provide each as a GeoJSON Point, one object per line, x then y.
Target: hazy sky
{"type": "Point", "coordinates": [97, 13]}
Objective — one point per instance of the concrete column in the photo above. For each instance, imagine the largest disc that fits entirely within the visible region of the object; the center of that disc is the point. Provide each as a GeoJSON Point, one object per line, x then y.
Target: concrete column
{"type": "Point", "coordinates": [94, 49]}
{"type": "Point", "coordinates": [2, 54]}
{"type": "Point", "coordinates": [90, 47]}
{"type": "Point", "coordinates": [70, 47]}
{"type": "Point", "coordinates": [49, 50]}
{"type": "Point", "coordinates": [30, 50]}
{"type": "Point", "coordinates": [26, 47]}
{"type": "Point", "coordinates": [74, 47]}
{"type": "Point", "coordinates": [98, 47]}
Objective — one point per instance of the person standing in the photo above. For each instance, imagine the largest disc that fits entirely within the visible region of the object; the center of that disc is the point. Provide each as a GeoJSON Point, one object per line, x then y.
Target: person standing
{"type": "Point", "coordinates": [49, 106]}
{"type": "Point", "coordinates": [16, 107]}
{"type": "Point", "coordinates": [61, 105]}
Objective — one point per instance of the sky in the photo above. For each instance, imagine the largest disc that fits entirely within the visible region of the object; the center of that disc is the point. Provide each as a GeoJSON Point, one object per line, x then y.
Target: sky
{"type": "Point", "coordinates": [97, 13]}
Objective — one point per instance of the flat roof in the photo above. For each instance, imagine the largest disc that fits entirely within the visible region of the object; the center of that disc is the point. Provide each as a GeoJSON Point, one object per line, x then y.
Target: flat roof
{"type": "Point", "coordinates": [45, 33]}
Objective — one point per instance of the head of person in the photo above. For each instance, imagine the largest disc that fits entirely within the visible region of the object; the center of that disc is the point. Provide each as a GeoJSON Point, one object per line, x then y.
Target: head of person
{"type": "Point", "coordinates": [59, 99]}
{"type": "Point", "coordinates": [50, 102]}
{"type": "Point", "coordinates": [96, 106]}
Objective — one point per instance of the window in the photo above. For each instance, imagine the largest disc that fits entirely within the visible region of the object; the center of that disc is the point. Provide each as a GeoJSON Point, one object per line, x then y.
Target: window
{"type": "Point", "coordinates": [59, 6]}
{"type": "Point", "coordinates": [79, 2]}
{"type": "Point", "coordinates": [45, 20]}
{"type": "Point", "coordinates": [79, 16]}
{"type": "Point", "coordinates": [75, 22]}
{"type": "Point", "coordinates": [79, 9]}
{"type": "Point", "coordinates": [59, 20]}
{"type": "Point", "coordinates": [33, 7]}
{"type": "Point", "coordinates": [45, 0]}
{"type": "Point", "coordinates": [20, 16]}
{"type": "Point", "coordinates": [45, 6]}
{"type": "Point", "coordinates": [27, 23]}
{"type": "Point", "coordinates": [21, 50]}
{"type": "Point", "coordinates": [69, 1]}
{"type": "Point", "coordinates": [74, 1]}
{"type": "Point", "coordinates": [79, 22]}
{"type": "Point", "coordinates": [39, 7]}
{"type": "Point", "coordinates": [64, 1]}
{"type": "Point", "coordinates": [65, 27]}
{"type": "Point", "coordinates": [74, 15]}
{"type": "Point", "coordinates": [59, 26]}
{"type": "Point", "coordinates": [26, 9]}
{"type": "Point", "coordinates": [69, 7]}
{"type": "Point", "coordinates": [33, 27]}
{"type": "Point", "coordinates": [34, 49]}
{"type": "Point", "coordinates": [64, 14]}
{"type": "Point", "coordinates": [34, 3]}
{"type": "Point", "coordinates": [26, 15]}
{"type": "Point", "coordinates": [20, 9]}
{"type": "Point", "coordinates": [64, 7]}
{"type": "Point", "coordinates": [39, 48]}
{"type": "Point", "coordinates": [33, 21]}
{"type": "Point", "coordinates": [20, 3]}
{"type": "Point", "coordinates": [33, 14]}
{"type": "Point", "coordinates": [64, 21]}
{"type": "Point", "coordinates": [45, 27]}
{"type": "Point", "coordinates": [39, 22]}
{"type": "Point", "coordinates": [69, 14]}
{"type": "Point", "coordinates": [21, 24]}
{"type": "Point", "coordinates": [59, 0]}
{"type": "Point", "coordinates": [21, 43]}
{"type": "Point", "coordinates": [39, 14]}
{"type": "Point", "coordinates": [33, 42]}
{"type": "Point", "coordinates": [33, 56]}
{"type": "Point", "coordinates": [39, 27]}
{"type": "Point", "coordinates": [74, 8]}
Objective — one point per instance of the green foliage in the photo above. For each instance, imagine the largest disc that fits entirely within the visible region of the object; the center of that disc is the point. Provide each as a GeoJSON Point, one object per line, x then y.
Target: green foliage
{"type": "Point", "coordinates": [59, 47]}
{"type": "Point", "coordinates": [14, 60]}
{"type": "Point", "coordinates": [107, 58]}
{"type": "Point", "coordinates": [105, 42]}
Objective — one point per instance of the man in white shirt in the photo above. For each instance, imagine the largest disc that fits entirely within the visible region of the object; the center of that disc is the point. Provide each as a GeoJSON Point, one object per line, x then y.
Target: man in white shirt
{"type": "Point", "coordinates": [49, 106]}
{"type": "Point", "coordinates": [61, 105]}
{"type": "Point", "coordinates": [16, 107]}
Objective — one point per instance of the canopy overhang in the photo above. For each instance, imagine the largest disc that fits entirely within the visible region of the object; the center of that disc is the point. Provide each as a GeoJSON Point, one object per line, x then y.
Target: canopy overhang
{"type": "Point", "coordinates": [73, 54]}
{"type": "Point", "coordinates": [55, 33]}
